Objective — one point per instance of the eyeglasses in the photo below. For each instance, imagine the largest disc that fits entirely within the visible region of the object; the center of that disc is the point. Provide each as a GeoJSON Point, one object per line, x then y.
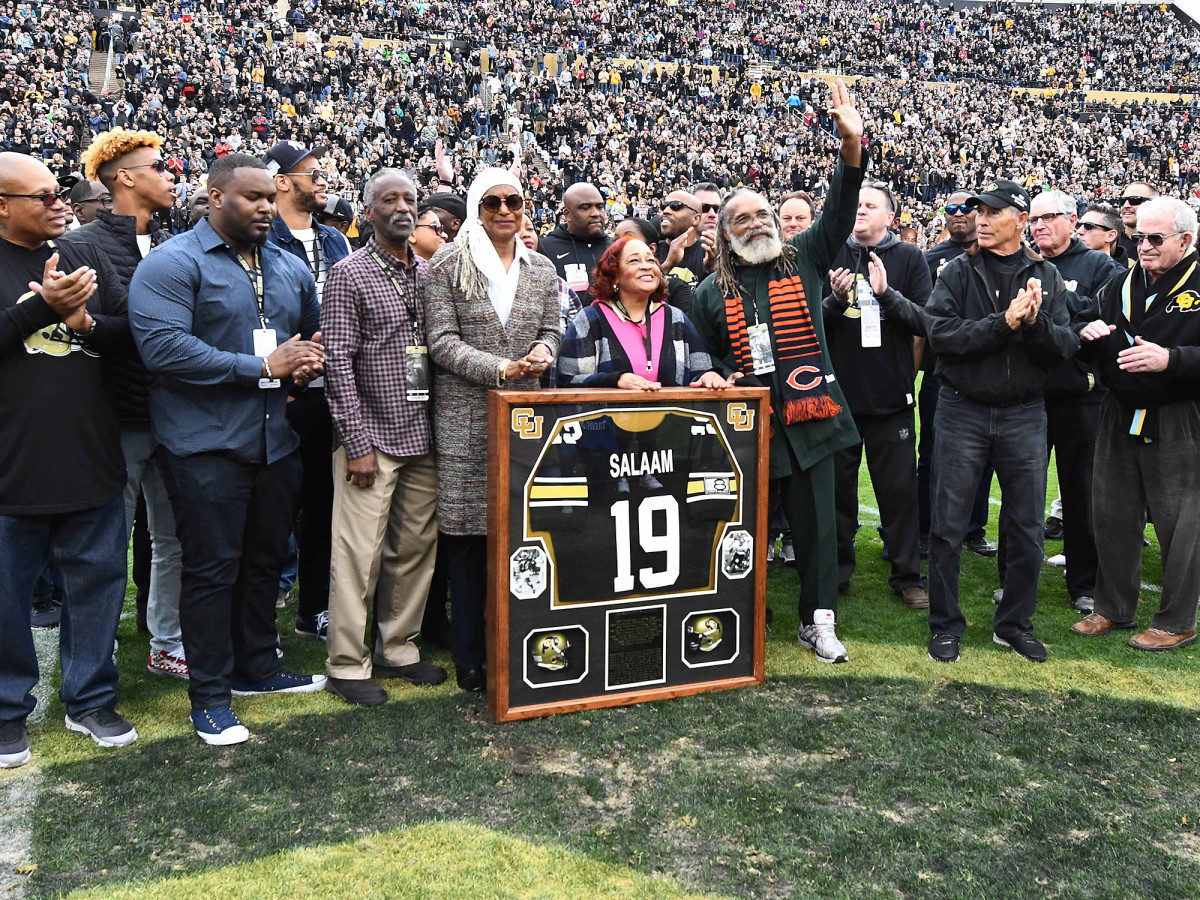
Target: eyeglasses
{"type": "Point", "coordinates": [1154, 240]}
{"type": "Point", "coordinates": [1045, 218]}
{"type": "Point", "coordinates": [1092, 226]}
{"type": "Point", "coordinates": [514, 202]}
{"type": "Point", "coordinates": [710, 207]}
{"type": "Point", "coordinates": [677, 205]}
{"type": "Point", "coordinates": [106, 202]}
{"type": "Point", "coordinates": [1135, 201]}
{"type": "Point", "coordinates": [315, 175]}
{"type": "Point", "coordinates": [763, 215]}
{"type": "Point", "coordinates": [47, 200]}
{"type": "Point", "coordinates": [159, 166]}
{"type": "Point", "coordinates": [954, 209]}
{"type": "Point", "coordinates": [436, 226]}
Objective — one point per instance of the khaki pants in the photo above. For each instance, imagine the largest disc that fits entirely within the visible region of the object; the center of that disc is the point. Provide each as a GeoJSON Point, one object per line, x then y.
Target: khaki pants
{"type": "Point", "coordinates": [384, 546]}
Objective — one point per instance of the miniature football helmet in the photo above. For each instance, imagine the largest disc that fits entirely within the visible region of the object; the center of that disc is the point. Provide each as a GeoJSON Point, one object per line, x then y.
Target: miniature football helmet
{"type": "Point", "coordinates": [550, 651]}
{"type": "Point", "coordinates": [704, 633]}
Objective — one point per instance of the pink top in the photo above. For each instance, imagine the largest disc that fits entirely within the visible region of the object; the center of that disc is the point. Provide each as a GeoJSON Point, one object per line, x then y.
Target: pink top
{"type": "Point", "coordinates": [633, 339]}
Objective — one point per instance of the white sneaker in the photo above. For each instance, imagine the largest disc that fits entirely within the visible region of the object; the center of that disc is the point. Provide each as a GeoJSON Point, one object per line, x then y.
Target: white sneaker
{"type": "Point", "coordinates": [650, 483]}
{"type": "Point", "coordinates": [1058, 560]}
{"type": "Point", "coordinates": [789, 552]}
{"type": "Point", "coordinates": [821, 638]}
{"type": "Point", "coordinates": [771, 551]}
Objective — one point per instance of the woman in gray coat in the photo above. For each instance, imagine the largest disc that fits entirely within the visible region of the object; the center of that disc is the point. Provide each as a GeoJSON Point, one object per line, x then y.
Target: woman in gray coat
{"type": "Point", "coordinates": [492, 320]}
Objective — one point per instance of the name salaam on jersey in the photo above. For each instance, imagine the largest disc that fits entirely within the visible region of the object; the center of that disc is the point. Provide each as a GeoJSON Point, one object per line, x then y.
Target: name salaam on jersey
{"type": "Point", "coordinates": [629, 465]}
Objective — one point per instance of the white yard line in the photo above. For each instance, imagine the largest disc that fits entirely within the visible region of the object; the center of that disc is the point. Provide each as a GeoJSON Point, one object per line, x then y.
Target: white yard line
{"type": "Point", "coordinates": [19, 790]}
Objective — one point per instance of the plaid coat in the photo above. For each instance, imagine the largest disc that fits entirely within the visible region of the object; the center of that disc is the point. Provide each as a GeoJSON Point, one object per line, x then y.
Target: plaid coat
{"type": "Point", "coordinates": [592, 355]}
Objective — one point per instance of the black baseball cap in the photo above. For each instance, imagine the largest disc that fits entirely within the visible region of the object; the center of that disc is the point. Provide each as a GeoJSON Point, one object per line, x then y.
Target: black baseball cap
{"type": "Point", "coordinates": [451, 203]}
{"type": "Point", "coordinates": [338, 208]}
{"type": "Point", "coordinates": [286, 155]}
{"type": "Point", "coordinates": [999, 194]}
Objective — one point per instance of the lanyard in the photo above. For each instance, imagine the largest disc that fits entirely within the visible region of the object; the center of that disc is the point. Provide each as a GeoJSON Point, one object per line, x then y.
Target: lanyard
{"type": "Point", "coordinates": [318, 260]}
{"type": "Point", "coordinates": [404, 298]}
{"type": "Point", "coordinates": [646, 340]}
{"type": "Point", "coordinates": [256, 281]}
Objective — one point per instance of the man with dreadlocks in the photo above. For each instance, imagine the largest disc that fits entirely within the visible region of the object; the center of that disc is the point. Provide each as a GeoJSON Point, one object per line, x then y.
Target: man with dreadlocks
{"type": "Point", "coordinates": [753, 314]}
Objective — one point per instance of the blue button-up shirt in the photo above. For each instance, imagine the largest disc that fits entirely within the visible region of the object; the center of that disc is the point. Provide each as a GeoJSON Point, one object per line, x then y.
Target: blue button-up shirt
{"type": "Point", "coordinates": [193, 312]}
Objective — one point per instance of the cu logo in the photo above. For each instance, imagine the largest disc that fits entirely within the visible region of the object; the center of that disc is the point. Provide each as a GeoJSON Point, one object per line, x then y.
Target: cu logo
{"type": "Point", "coordinates": [794, 381]}
{"type": "Point", "coordinates": [740, 417]}
{"type": "Point", "coordinates": [526, 424]}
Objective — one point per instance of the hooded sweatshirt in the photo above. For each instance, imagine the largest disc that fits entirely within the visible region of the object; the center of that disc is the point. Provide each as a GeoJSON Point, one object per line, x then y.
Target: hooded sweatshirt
{"type": "Point", "coordinates": [574, 257]}
{"type": "Point", "coordinates": [877, 381]}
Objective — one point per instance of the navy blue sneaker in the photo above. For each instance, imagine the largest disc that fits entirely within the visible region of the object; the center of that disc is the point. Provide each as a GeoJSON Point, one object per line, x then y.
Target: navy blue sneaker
{"type": "Point", "coordinates": [218, 725]}
{"type": "Point", "coordinates": [282, 682]}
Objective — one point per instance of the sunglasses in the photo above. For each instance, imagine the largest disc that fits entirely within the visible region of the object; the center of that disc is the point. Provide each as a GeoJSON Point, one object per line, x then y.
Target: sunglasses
{"type": "Point", "coordinates": [954, 209]}
{"type": "Point", "coordinates": [677, 205]}
{"type": "Point", "coordinates": [710, 207]}
{"type": "Point", "coordinates": [159, 166]}
{"type": "Point", "coordinates": [1092, 226]}
{"type": "Point", "coordinates": [1154, 240]}
{"type": "Point", "coordinates": [47, 200]}
{"type": "Point", "coordinates": [1134, 201]}
{"type": "Point", "coordinates": [315, 175]}
{"type": "Point", "coordinates": [436, 226]}
{"type": "Point", "coordinates": [514, 202]}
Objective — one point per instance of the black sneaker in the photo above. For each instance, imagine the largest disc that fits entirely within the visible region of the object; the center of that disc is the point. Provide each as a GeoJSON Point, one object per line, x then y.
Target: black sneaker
{"type": "Point", "coordinates": [357, 691]}
{"type": "Point", "coordinates": [1023, 643]}
{"type": "Point", "coordinates": [1053, 529]}
{"type": "Point", "coordinates": [980, 545]}
{"type": "Point", "coordinates": [104, 726]}
{"type": "Point", "coordinates": [313, 627]}
{"type": "Point", "coordinates": [14, 744]}
{"type": "Point", "coordinates": [944, 648]}
{"type": "Point", "coordinates": [1085, 604]}
{"type": "Point", "coordinates": [46, 613]}
{"type": "Point", "coordinates": [420, 673]}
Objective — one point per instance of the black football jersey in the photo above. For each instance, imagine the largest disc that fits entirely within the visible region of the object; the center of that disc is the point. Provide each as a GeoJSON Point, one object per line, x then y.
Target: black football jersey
{"type": "Point", "coordinates": [633, 504]}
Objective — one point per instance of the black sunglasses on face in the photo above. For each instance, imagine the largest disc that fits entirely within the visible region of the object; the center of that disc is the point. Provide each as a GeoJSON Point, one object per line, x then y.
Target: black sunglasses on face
{"type": "Point", "coordinates": [491, 203]}
{"type": "Point", "coordinates": [1154, 240]}
{"type": "Point", "coordinates": [159, 166]}
{"type": "Point", "coordinates": [1134, 201]}
{"type": "Point", "coordinates": [710, 207]}
{"type": "Point", "coordinates": [677, 205]}
{"type": "Point", "coordinates": [1092, 226]}
{"type": "Point", "coordinates": [47, 200]}
{"type": "Point", "coordinates": [953, 209]}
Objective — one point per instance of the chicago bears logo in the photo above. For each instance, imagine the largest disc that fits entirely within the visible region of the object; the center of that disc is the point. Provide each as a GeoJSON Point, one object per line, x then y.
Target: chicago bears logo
{"type": "Point", "coordinates": [740, 417]}
{"type": "Point", "coordinates": [527, 426]}
{"type": "Point", "coordinates": [798, 372]}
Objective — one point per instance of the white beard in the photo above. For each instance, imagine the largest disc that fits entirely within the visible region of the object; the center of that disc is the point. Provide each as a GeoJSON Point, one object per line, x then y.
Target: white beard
{"type": "Point", "coordinates": [758, 251]}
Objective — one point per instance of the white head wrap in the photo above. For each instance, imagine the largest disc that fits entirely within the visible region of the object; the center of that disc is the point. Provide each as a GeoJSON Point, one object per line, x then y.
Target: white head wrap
{"type": "Point", "coordinates": [479, 266]}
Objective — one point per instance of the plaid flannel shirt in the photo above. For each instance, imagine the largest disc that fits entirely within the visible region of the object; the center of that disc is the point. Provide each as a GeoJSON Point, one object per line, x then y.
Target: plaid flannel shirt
{"type": "Point", "coordinates": [366, 324]}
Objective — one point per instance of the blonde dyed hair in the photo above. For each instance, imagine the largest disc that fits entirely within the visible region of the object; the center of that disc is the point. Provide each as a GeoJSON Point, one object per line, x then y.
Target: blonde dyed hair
{"type": "Point", "coordinates": [109, 146]}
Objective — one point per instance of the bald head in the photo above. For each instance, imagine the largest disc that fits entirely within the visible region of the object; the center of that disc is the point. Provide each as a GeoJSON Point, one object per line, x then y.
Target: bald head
{"type": "Point", "coordinates": [584, 210]}
{"type": "Point", "coordinates": [27, 221]}
{"type": "Point", "coordinates": [680, 211]}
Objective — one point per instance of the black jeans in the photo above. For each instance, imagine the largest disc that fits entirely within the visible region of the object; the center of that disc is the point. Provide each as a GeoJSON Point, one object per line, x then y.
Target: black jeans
{"type": "Point", "coordinates": [309, 415]}
{"type": "Point", "coordinates": [233, 520]}
{"type": "Point", "coordinates": [1072, 427]}
{"type": "Point", "coordinates": [890, 442]}
{"type": "Point", "coordinates": [466, 559]}
{"type": "Point", "coordinates": [1014, 438]}
{"type": "Point", "coordinates": [927, 406]}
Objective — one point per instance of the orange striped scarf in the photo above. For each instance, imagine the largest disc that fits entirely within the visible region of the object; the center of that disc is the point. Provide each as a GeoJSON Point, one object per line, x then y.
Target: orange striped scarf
{"type": "Point", "coordinates": [798, 362]}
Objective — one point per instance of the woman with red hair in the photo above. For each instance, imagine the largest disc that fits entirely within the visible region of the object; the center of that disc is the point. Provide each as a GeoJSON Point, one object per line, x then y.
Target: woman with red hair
{"type": "Point", "coordinates": [629, 337]}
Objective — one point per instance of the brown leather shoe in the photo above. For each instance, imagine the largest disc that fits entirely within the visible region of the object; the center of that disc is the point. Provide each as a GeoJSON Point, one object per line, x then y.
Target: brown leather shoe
{"type": "Point", "coordinates": [1096, 624]}
{"type": "Point", "coordinates": [915, 598]}
{"type": "Point", "coordinates": [1157, 640]}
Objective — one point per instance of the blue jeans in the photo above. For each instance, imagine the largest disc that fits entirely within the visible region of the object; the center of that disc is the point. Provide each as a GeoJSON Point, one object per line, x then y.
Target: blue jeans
{"type": "Point", "coordinates": [1014, 437]}
{"type": "Point", "coordinates": [88, 550]}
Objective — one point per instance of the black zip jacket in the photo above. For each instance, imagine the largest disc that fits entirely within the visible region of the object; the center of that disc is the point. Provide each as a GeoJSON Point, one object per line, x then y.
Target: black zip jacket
{"type": "Point", "coordinates": [936, 258]}
{"type": "Point", "coordinates": [978, 354]}
{"type": "Point", "coordinates": [563, 249]}
{"type": "Point", "coordinates": [116, 238]}
{"type": "Point", "coordinates": [878, 381]}
{"type": "Point", "coordinates": [1085, 272]}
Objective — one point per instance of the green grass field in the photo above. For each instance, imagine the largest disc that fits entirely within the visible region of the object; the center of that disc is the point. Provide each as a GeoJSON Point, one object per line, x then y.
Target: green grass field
{"type": "Point", "coordinates": [889, 776]}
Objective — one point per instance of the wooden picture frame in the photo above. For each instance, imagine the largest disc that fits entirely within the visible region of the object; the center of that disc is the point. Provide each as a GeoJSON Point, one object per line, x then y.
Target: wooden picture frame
{"type": "Point", "coordinates": [557, 604]}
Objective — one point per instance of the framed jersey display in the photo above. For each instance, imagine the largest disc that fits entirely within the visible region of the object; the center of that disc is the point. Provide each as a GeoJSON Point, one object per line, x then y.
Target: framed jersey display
{"type": "Point", "coordinates": [626, 550]}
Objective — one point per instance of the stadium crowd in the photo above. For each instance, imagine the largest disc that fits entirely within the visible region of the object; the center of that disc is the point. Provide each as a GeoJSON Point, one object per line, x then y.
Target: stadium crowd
{"type": "Point", "coordinates": [268, 249]}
